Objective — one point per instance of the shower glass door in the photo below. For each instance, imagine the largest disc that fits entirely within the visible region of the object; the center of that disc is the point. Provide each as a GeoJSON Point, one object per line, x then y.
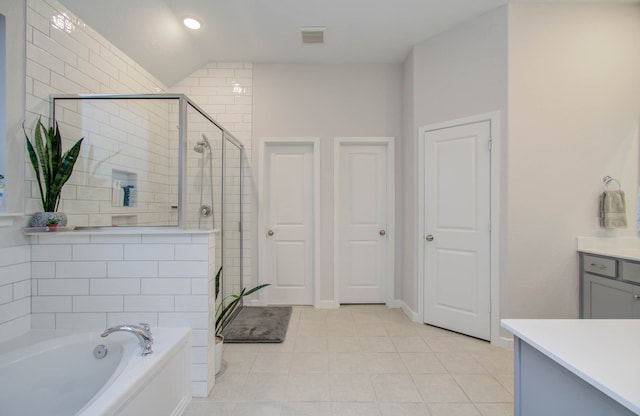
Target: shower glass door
{"type": "Point", "coordinates": [232, 218]}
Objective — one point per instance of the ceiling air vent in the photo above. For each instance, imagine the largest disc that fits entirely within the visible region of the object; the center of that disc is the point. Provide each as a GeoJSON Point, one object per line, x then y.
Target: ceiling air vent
{"type": "Point", "coordinates": [313, 34]}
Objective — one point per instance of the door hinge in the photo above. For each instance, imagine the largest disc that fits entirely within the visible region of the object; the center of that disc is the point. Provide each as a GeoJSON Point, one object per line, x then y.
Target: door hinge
{"type": "Point", "coordinates": [490, 144]}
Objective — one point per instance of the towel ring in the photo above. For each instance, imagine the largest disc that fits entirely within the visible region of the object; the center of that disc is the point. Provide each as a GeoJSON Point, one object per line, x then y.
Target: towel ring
{"type": "Point", "coordinates": [608, 179]}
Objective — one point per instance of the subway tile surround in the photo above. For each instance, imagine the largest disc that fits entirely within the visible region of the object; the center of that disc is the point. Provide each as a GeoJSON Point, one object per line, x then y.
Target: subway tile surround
{"type": "Point", "coordinates": [15, 291]}
{"type": "Point", "coordinates": [93, 281]}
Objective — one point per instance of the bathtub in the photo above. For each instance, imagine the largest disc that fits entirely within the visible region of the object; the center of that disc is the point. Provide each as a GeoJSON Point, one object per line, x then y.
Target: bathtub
{"type": "Point", "coordinates": [48, 374]}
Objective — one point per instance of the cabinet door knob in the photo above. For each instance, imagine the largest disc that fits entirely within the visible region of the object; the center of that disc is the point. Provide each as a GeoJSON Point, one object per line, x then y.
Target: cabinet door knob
{"type": "Point", "coordinates": [429, 237]}
{"type": "Point", "coordinates": [382, 232]}
{"type": "Point", "coordinates": [636, 297]}
{"type": "Point", "coordinates": [270, 233]}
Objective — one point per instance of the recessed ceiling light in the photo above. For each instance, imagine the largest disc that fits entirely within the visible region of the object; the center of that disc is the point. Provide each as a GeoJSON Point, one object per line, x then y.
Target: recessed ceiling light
{"type": "Point", "coordinates": [191, 23]}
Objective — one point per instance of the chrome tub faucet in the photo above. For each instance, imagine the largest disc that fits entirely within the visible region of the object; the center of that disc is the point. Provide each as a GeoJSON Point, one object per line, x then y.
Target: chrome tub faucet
{"type": "Point", "coordinates": [142, 332]}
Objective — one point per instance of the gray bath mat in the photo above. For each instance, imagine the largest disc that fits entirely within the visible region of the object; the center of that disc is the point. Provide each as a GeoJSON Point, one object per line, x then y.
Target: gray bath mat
{"type": "Point", "coordinates": [258, 324]}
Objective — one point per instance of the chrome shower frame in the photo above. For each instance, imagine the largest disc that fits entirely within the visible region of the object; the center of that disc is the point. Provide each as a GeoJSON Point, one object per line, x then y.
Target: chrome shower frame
{"type": "Point", "coordinates": [184, 103]}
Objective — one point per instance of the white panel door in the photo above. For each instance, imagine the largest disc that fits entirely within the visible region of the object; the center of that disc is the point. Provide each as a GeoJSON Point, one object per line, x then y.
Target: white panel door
{"type": "Point", "coordinates": [457, 228]}
{"type": "Point", "coordinates": [362, 235]}
{"type": "Point", "coordinates": [288, 197]}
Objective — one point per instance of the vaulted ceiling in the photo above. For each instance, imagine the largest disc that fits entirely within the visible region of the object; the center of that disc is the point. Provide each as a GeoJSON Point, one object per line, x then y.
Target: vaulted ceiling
{"type": "Point", "coordinates": [268, 31]}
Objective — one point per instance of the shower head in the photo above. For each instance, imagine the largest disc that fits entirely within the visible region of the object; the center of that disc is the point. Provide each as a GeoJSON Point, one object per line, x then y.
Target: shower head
{"type": "Point", "coordinates": [202, 145]}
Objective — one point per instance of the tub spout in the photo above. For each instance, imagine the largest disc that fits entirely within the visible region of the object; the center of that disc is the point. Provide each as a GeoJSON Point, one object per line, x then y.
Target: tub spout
{"type": "Point", "coordinates": [142, 332]}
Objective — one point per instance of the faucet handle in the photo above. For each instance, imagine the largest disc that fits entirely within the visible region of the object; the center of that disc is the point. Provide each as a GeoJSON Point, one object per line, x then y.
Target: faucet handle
{"type": "Point", "coordinates": [145, 326]}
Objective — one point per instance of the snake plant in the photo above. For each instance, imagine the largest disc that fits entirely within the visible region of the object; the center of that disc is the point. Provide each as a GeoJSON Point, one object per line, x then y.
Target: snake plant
{"type": "Point", "coordinates": [224, 313]}
{"type": "Point", "coordinates": [52, 167]}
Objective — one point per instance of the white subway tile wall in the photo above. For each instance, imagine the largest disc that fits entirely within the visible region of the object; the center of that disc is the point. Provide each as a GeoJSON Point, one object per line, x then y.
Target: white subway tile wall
{"type": "Point", "coordinates": [225, 91]}
{"type": "Point", "coordinates": [15, 291]}
{"type": "Point", "coordinates": [92, 282]}
{"type": "Point", "coordinates": [164, 281]}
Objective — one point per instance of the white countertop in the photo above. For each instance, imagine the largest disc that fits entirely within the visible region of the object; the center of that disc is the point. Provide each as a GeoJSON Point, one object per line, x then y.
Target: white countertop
{"type": "Point", "coordinates": [603, 352]}
{"type": "Point", "coordinates": [620, 253]}
{"type": "Point", "coordinates": [627, 248]}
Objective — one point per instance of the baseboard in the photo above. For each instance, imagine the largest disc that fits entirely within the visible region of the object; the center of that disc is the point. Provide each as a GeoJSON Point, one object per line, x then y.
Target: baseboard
{"type": "Point", "coordinates": [503, 342]}
{"type": "Point", "coordinates": [326, 304]}
{"type": "Point", "coordinates": [413, 316]}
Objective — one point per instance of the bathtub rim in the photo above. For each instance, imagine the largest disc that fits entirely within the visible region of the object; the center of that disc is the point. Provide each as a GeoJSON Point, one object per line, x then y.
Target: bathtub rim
{"type": "Point", "coordinates": [167, 343]}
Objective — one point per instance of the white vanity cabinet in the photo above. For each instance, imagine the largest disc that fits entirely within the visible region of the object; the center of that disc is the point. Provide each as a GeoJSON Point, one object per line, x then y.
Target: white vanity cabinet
{"type": "Point", "coordinates": [610, 287]}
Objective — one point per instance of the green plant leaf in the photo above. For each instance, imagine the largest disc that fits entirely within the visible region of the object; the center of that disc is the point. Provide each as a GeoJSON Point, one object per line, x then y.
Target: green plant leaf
{"type": "Point", "coordinates": [52, 168]}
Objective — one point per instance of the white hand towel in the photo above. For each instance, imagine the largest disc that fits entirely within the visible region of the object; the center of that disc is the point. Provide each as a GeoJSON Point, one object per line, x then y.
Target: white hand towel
{"type": "Point", "coordinates": [613, 210]}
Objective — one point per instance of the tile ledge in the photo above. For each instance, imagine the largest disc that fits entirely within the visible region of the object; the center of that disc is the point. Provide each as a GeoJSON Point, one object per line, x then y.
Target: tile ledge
{"type": "Point", "coordinates": [6, 218]}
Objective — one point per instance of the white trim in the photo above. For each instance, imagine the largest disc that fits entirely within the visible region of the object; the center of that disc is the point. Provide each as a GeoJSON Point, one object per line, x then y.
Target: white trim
{"type": "Point", "coordinates": [327, 304]}
{"type": "Point", "coordinates": [411, 314]}
{"type": "Point", "coordinates": [262, 222]}
{"type": "Point", "coordinates": [390, 228]}
{"type": "Point", "coordinates": [494, 119]}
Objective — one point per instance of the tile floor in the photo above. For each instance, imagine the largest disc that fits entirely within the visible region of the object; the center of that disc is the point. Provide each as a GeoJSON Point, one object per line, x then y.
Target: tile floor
{"type": "Point", "coordinates": [362, 360]}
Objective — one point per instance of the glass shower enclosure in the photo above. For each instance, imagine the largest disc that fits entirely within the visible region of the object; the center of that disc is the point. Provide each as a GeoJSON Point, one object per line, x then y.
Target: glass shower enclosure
{"type": "Point", "coordinates": [154, 160]}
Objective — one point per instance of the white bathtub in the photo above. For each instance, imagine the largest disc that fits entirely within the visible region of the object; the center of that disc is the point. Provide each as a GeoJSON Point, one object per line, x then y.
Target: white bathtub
{"type": "Point", "coordinates": [59, 375]}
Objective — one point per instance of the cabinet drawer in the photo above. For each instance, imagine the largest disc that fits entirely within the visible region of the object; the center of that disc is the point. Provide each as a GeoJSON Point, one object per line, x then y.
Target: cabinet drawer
{"type": "Point", "coordinates": [600, 265]}
{"type": "Point", "coordinates": [631, 271]}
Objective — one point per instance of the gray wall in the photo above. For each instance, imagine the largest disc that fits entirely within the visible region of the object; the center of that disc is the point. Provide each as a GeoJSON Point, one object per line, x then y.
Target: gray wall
{"type": "Point", "coordinates": [574, 108]}
{"type": "Point", "coordinates": [459, 73]}
{"type": "Point", "coordinates": [326, 101]}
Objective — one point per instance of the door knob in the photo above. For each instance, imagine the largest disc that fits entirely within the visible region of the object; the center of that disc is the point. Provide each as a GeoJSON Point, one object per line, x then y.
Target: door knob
{"type": "Point", "coordinates": [270, 233]}
{"type": "Point", "coordinates": [429, 237]}
{"type": "Point", "coordinates": [382, 232]}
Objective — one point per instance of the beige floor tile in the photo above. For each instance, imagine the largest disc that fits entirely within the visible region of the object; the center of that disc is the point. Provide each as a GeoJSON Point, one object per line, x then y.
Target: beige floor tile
{"type": "Point", "coordinates": [348, 363]}
{"type": "Point", "coordinates": [439, 388]}
{"type": "Point", "coordinates": [341, 329]}
{"type": "Point", "coordinates": [351, 388]}
{"type": "Point", "coordinates": [239, 362]}
{"type": "Point", "coordinates": [404, 409]}
{"type": "Point", "coordinates": [366, 317]}
{"type": "Point", "coordinates": [310, 344]}
{"type": "Point", "coordinates": [343, 344]}
{"type": "Point", "coordinates": [495, 409]}
{"type": "Point", "coordinates": [371, 330]}
{"type": "Point", "coordinates": [264, 387]}
{"type": "Point", "coordinates": [228, 387]}
{"type": "Point", "coordinates": [257, 409]}
{"type": "Point", "coordinates": [306, 409]}
{"type": "Point", "coordinates": [453, 409]}
{"type": "Point", "coordinates": [422, 363]}
{"type": "Point", "coordinates": [460, 363]}
{"type": "Point", "coordinates": [356, 361]}
{"type": "Point", "coordinates": [355, 409]}
{"type": "Point", "coordinates": [483, 388]}
{"type": "Point", "coordinates": [310, 362]}
{"type": "Point", "coordinates": [272, 362]}
{"type": "Point", "coordinates": [385, 362]}
{"type": "Point", "coordinates": [410, 344]}
{"type": "Point", "coordinates": [506, 380]}
{"type": "Point", "coordinates": [401, 329]}
{"type": "Point", "coordinates": [456, 343]}
{"type": "Point", "coordinates": [498, 361]}
{"type": "Point", "coordinates": [395, 388]}
{"type": "Point", "coordinates": [317, 329]}
{"type": "Point", "coordinates": [376, 344]}
{"type": "Point", "coordinates": [308, 388]}
{"type": "Point", "coordinates": [203, 407]}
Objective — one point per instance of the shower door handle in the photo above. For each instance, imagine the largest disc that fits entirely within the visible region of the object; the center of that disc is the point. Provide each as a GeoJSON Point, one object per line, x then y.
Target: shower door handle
{"type": "Point", "coordinates": [270, 233]}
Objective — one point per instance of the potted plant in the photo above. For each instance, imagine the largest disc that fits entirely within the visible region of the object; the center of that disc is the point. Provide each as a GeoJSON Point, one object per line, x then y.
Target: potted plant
{"type": "Point", "coordinates": [52, 168]}
{"type": "Point", "coordinates": [224, 312]}
{"type": "Point", "coordinates": [52, 223]}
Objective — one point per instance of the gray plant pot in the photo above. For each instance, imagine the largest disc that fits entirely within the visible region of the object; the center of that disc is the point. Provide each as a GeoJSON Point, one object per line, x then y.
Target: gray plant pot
{"type": "Point", "coordinates": [40, 219]}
